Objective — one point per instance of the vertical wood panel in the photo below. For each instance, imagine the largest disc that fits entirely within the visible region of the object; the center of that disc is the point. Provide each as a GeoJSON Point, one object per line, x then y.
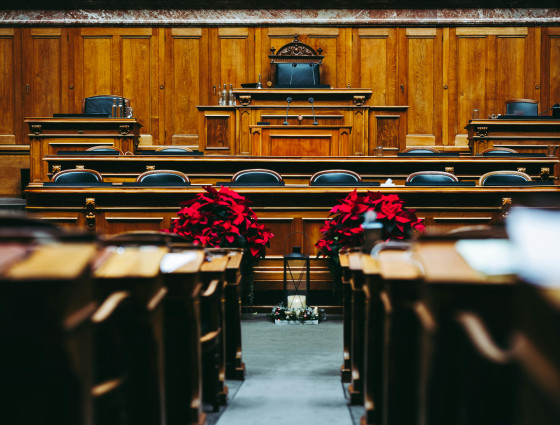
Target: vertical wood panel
{"type": "Point", "coordinates": [137, 78]}
{"type": "Point", "coordinates": [471, 79]}
{"type": "Point", "coordinates": [511, 56]}
{"type": "Point", "coordinates": [45, 71]}
{"type": "Point", "coordinates": [96, 66]}
{"type": "Point", "coordinates": [10, 86]}
{"type": "Point", "coordinates": [550, 67]}
{"type": "Point", "coordinates": [489, 66]}
{"type": "Point", "coordinates": [421, 74]}
{"type": "Point", "coordinates": [376, 63]}
{"type": "Point", "coordinates": [184, 73]}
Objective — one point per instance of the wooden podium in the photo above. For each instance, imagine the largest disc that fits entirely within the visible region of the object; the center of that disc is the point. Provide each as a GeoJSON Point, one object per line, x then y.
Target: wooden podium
{"type": "Point", "coordinates": [300, 140]}
{"type": "Point", "coordinates": [232, 130]}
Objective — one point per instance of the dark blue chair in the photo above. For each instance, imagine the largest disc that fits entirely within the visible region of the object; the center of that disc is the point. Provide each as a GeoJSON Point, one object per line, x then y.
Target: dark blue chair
{"type": "Point", "coordinates": [334, 177]}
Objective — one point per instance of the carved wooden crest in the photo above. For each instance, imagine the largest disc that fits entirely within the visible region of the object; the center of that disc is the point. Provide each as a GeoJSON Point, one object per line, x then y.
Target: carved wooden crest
{"type": "Point", "coordinates": [296, 52]}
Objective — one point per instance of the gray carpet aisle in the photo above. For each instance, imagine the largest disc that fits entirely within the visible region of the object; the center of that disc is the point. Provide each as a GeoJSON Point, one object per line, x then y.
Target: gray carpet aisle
{"type": "Point", "coordinates": [293, 376]}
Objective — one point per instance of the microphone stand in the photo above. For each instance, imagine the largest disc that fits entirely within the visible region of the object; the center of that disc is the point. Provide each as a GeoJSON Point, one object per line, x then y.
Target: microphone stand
{"type": "Point", "coordinates": [313, 109]}
{"type": "Point", "coordinates": [289, 100]}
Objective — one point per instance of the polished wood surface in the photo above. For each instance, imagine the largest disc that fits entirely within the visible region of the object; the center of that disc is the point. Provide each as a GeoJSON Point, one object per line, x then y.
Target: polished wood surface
{"type": "Point", "coordinates": [166, 72]}
{"type": "Point", "coordinates": [301, 140]}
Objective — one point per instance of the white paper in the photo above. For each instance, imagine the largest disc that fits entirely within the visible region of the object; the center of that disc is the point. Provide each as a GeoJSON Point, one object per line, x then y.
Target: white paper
{"type": "Point", "coordinates": [492, 257]}
{"type": "Point", "coordinates": [535, 238]}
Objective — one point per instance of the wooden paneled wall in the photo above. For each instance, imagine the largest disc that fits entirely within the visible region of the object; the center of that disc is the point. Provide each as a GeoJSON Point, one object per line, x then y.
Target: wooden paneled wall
{"type": "Point", "coordinates": [442, 73]}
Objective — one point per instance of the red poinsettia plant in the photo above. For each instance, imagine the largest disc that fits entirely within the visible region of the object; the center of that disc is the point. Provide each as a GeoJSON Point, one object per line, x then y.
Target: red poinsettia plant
{"type": "Point", "coordinates": [343, 229]}
{"type": "Point", "coordinates": [222, 218]}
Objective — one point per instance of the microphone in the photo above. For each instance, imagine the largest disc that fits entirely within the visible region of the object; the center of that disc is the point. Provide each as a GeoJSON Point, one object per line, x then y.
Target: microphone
{"type": "Point", "coordinates": [556, 105]}
{"type": "Point", "coordinates": [289, 100]}
{"type": "Point", "coordinates": [313, 109]}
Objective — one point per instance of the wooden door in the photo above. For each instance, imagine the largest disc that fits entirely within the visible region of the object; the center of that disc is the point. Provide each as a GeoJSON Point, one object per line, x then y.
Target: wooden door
{"type": "Point", "coordinates": [420, 83]}
{"type": "Point", "coordinates": [186, 83]}
{"type": "Point", "coordinates": [374, 59]}
{"type": "Point", "coordinates": [488, 66]}
{"type": "Point", "coordinates": [550, 78]}
{"type": "Point", "coordinates": [332, 41]}
{"type": "Point", "coordinates": [122, 62]}
{"type": "Point", "coordinates": [10, 87]}
{"type": "Point", "coordinates": [45, 72]}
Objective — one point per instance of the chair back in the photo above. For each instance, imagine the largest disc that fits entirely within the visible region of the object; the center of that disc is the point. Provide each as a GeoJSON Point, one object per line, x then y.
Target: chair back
{"type": "Point", "coordinates": [162, 177]}
{"type": "Point", "coordinates": [174, 149]}
{"type": "Point", "coordinates": [498, 151]}
{"type": "Point", "coordinates": [334, 177]}
{"type": "Point", "coordinates": [423, 149]}
{"type": "Point", "coordinates": [77, 175]}
{"type": "Point", "coordinates": [105, 105]}
{"type": "Point", "coordinates": [257, 175]}
{"type": "Point", "coordinates": [111, 150]}
{"type": "Point", "coordinates": [431, 177]}
{"type": "Point", "coordinates": [528, 107]}
{"type": "Point", "coordinates": [504, 178]}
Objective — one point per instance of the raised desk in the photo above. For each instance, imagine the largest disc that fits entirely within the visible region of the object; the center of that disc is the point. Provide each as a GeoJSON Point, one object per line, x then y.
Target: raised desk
{"type": "Point", "coordinates": [523, 135]}
{"type": "Point", "coordinates": [227, 129]}
{"type": "Point", "coordinates": [47, 136]}
{"type": "Point", "coordinates": [209, 169]}
{"type": "Point", "coordinates": [116, 208]}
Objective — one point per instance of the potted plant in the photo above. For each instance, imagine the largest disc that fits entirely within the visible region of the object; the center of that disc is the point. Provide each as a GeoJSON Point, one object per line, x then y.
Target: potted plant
{"type": "Point", "coordinates": [223, 218]}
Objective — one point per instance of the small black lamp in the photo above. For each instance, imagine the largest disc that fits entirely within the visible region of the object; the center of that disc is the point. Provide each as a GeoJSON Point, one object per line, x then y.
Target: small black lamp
{"type": "Point", "coordinates": [296, 278]}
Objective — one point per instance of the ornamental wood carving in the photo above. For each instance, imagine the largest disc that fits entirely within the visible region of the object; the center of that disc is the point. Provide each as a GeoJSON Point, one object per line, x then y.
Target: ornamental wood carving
{"type": "Point", "coordinates": [296, 51]}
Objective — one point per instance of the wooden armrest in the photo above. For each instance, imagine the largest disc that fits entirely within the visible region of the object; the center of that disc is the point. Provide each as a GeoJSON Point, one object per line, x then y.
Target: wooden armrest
{"type": "Point", "coordinates": [157, 298]}
{"type": "Point", "coordinates": [425, 316]}
{"type": "Point", "coordinates": [209, 336]}
{"type": "Point", "coordinates": [541, 370]}
{"type": "Point", "coordinates": [386, 301]}
{"type": "Point", "coordinates": [212, 288]}
{"type": "Point", "coordinates": [106, 387]}
{"type": "Point", "coordinates": [109, 306]}
{"type": "Point", "coordinates": [481, 338]}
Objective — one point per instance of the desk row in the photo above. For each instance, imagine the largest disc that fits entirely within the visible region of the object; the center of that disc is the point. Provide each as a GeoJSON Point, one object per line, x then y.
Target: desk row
{"type": "Point", "coordinates": [117, 330]}
{"type": "Point", "coordinates": [336, 177]}
{"type": "Point", "coordinates": [294, 170]}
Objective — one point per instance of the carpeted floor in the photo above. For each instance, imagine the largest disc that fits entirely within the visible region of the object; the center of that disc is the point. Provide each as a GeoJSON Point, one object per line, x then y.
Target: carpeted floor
{"type": "Point", "coordinates": [293, 377]}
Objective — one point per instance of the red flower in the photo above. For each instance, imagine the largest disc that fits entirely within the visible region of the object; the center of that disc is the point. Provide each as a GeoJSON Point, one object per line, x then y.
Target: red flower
{"type": "Point", "coordinates": [221, 218]}
{"type": "Point", "coordinates": [343, 228]}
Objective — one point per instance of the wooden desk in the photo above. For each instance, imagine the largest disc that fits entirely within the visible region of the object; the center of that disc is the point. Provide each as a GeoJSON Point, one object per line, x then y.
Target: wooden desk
{"type": "Point", "coordinates": [539, 135]}
{"type": "Point", "coordinates": [455, 379]}
{"type": "Point", "coordinates": [210, 169]}
{"type": "Point", "coordinates": [226, 129]}
{"type": "Point", "coordinates": [46, 361]}
{"type": "Point", "coordinates": [302, 140]}
{"type": "Point", "coordinates": [47, 136]}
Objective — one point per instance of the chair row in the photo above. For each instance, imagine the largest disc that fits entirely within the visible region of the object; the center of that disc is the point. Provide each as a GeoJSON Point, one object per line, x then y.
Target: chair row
{"type": "Point", "coordinates": [134, 328]}
{"type": "Point", "coordinates": [325, 177]}
{"type": "Point", "coordinates": [112, 150]}
{"type": "Point", "coordinates": [425, 329]}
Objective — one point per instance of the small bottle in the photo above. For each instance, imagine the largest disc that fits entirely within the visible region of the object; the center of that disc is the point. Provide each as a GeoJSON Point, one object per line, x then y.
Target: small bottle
{"type": "Point", "coordinates": [259, 84]}
{"type": "Point", "coordinates": [114, 108]}
{"type": "Point", "coordinates": [373, 230]}
{"type": "Point", "coordinates": [224, 96]}
{"type": "Point", "coordinates": [231, 99]}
